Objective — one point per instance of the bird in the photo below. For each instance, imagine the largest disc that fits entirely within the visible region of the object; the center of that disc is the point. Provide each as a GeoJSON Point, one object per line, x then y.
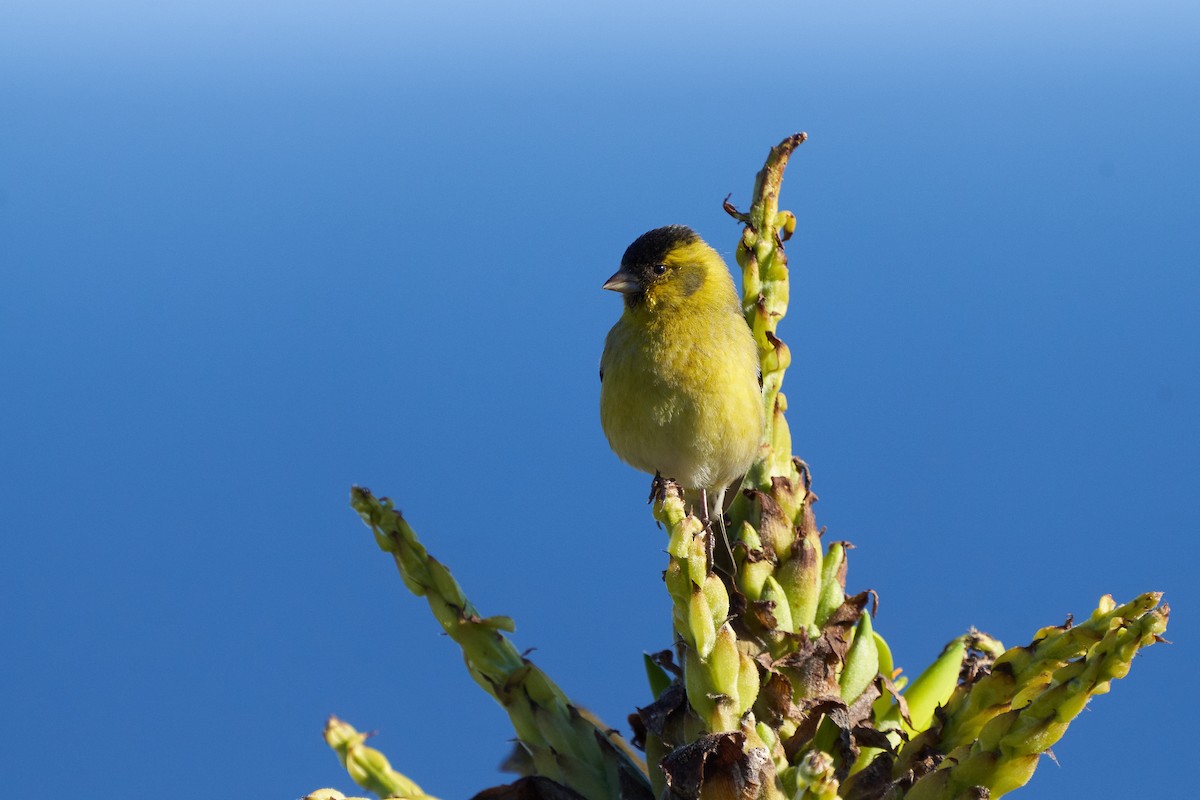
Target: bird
{"type": "Point", "coordinates": [680, 384]}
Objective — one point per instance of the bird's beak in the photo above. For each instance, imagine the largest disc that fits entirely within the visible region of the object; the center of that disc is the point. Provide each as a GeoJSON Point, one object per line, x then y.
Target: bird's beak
{"type": "Point", "coordinates": [622, 281]}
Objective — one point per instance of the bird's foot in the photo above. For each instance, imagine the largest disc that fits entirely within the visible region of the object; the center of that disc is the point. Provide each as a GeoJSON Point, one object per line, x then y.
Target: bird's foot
{"type": "Point", "coordinates": [659, 487]}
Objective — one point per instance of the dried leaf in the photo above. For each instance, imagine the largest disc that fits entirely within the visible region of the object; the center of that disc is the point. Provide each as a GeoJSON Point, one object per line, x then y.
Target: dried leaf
{"type": "Point", "coordinates": [717, 766]}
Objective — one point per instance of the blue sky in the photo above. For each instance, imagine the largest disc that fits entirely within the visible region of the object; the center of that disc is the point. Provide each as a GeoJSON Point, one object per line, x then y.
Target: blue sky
{"type": "Point", "coordinates": [251, 254]}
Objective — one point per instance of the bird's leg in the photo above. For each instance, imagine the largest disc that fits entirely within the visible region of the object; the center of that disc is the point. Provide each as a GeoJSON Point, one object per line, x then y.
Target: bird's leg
{"type": "Point", "coordinates": [706, 520]}
{"type": "Point", "coordinates": [719, 510]}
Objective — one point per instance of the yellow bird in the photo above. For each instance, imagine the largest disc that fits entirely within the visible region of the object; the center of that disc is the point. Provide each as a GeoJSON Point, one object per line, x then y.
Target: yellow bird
{"type": "Point", "coordinates": [680, 392]}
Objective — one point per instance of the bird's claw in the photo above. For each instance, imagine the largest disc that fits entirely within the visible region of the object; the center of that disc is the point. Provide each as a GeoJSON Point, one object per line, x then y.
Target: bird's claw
{"type": "Point", "coordinates": [658, 488]}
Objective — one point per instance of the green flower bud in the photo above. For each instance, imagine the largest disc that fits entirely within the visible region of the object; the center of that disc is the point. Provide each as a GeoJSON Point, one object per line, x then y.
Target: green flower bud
{"type": "Point", "coordinates": [862, 661]}
{"type": "Point", "coordinates": [695, 682]}
{"type": "Point", "coordinates": [785, 221]}
{"type": "Point", "coordinates": [753, 564]}
{"type": "Point", "coordinates": [833, 582]}
{"type": "Point", "coordinates": [747, 683]}
{"type": "Point", "coordinates": [800, 579]}
{"type": "Point", "coordinates": [700, 633]}
{"type": "Point", "coordinates": [679, 582]}
{"type": "Point", "coordinates": [724, 664]}
{"type": "Point", "coordinates": [697, 559]}
{"type": "Point", "coordinates": [718, 599]}
{"type": "Point", "coordinates": [773, 592]}
{"type": "Point", "coordinates": [933, 687]}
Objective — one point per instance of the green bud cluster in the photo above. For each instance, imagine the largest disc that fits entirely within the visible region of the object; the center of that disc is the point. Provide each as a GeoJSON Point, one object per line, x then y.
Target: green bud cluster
{"type": "Point", "coordinates": [368, 767]}
{"type": "Point", "coordinates": [563, 742]}
{"type": "Point", "coordinates": [994, 731]}
{"type": "Point", "coordinates": [721, 681]}
{"type": "Point", "coordinates": [1022, 673]}
{"type": "Point", "coordinates": [814, 777]}
{"type": "Point", "coordinates": [765, 296]}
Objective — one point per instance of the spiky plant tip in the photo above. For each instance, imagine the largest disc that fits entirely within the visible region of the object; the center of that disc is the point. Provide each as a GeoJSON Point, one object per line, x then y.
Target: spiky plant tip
{"type": "Point", "coordinates": [368, 767]}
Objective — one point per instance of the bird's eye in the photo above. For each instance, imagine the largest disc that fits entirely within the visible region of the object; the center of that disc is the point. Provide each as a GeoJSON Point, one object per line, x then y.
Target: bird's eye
{"type": "Point", "coordinates": [659, 269]}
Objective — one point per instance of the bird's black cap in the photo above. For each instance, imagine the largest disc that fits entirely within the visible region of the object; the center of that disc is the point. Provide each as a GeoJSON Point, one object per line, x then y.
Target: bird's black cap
{"type": "Point", "coordinates": [652, 247]}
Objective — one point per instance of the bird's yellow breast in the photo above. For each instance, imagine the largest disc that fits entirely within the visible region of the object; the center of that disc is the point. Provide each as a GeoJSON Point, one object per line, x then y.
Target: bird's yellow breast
{"type": "Point", "coordinates": [680, 392]}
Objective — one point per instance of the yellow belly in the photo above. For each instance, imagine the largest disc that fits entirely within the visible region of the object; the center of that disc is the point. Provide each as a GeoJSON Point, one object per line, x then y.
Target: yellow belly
{"type": "Point", "coordinates": [686, 406]}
